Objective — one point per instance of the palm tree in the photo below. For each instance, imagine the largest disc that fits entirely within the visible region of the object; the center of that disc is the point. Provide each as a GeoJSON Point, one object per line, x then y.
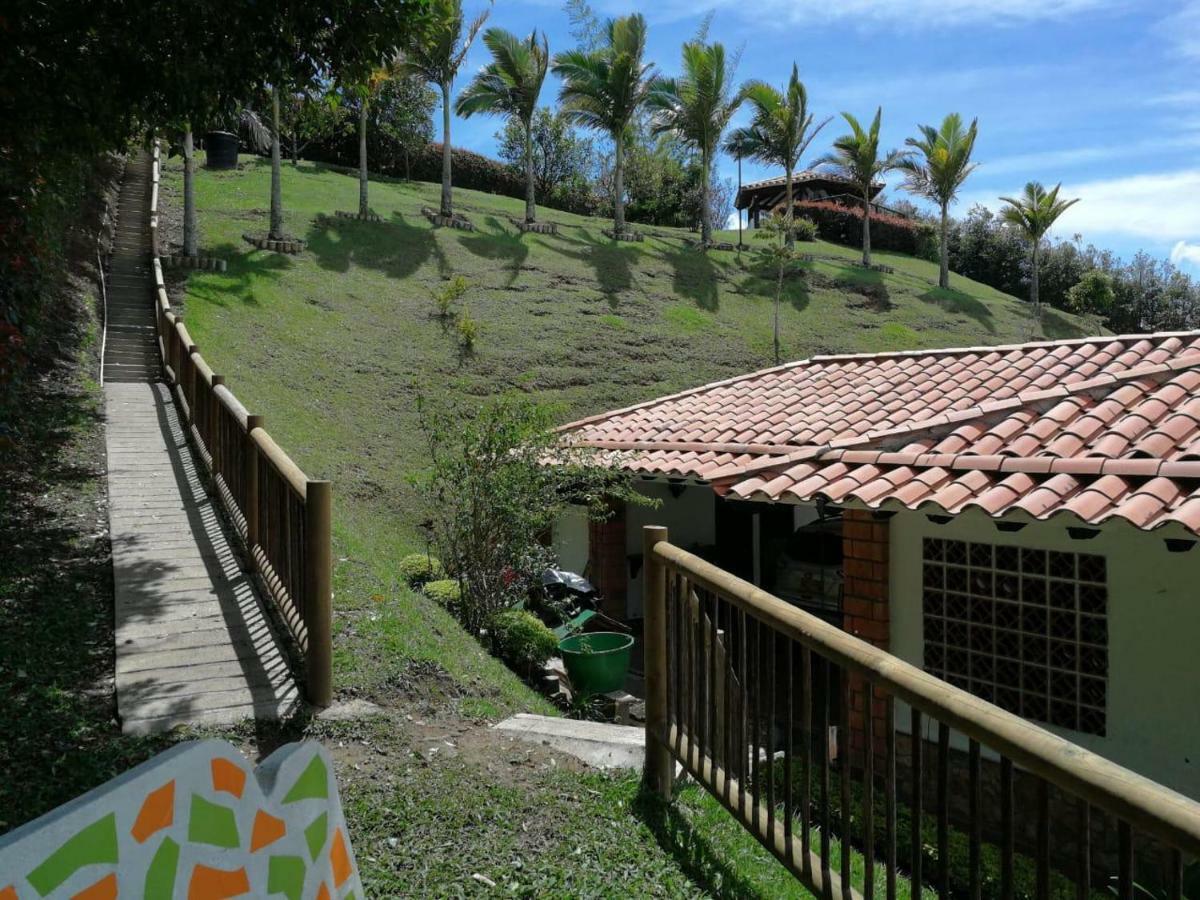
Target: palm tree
{"type": "Point", "coordinates": [1032, 214]}
{"type": "Point", "coordinates": [779, 132]}
{"type": "Point", "coordinates": [696, 108]}
{"type": "Point", "coordinates": [944, 163]}
{"type": "Point", "coordinates": [191, 242]}
{"type": "Point", "coordinates": [436, 53]}
{"type": "Point", "coordinates": [368, 91]}
{"type": "Point", "coordinates": [509, 86]}
{"type": "Point", "coordinates": [603, 89]}
{"type": "Point", "coordinates": [276, 231]}
{"type": "Point", "coordinates": [855, 157]}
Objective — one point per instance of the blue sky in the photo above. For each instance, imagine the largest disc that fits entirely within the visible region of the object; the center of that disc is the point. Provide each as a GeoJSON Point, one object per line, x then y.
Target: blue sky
{"type": "Point", "coordinates": [1103, 95]}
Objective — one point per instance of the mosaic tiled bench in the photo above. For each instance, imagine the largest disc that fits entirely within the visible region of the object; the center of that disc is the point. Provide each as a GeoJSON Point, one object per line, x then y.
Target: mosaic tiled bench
{"type": "Point", "coordinates": [197, 821]}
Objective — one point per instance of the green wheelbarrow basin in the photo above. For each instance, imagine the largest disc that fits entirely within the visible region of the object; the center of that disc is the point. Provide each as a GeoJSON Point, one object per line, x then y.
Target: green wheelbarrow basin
{"type": "Point", "coordinates": [597, 662]}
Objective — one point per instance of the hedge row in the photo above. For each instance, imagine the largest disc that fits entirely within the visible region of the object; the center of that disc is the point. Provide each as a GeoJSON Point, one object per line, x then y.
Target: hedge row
{"type": "Point", "coordinates": [843, 225]}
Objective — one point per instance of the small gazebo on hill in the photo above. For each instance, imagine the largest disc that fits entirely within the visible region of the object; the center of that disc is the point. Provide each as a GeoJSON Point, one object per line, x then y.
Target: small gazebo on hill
{"type": "Point", "coordinates": [770, 195]}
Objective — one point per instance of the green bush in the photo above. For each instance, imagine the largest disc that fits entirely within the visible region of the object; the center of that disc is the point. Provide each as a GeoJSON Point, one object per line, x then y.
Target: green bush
{"type": "Point", "coordinates": [522, 640]}
{"type": "Point", "coordinates": [805, 229]}
{"type": "Point", "coordinates": [445, 592]}
{"type": "Point", "coordinates": [419, 568]}
{"type": "Point", "coordinates": [468, 331]}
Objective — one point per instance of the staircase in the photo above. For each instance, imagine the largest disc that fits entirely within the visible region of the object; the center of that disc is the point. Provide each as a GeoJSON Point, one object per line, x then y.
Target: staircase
{"type": "Point", "coordinates": [131, 351]}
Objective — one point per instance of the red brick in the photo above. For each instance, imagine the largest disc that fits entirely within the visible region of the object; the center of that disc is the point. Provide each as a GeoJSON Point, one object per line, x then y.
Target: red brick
{"type": "Point", "coordinates": [870, 630]}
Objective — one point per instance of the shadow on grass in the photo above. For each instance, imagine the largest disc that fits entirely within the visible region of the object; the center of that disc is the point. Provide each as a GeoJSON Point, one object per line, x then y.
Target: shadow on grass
{"type": "Point", "coordinates": [956, 301]}
{"type": "Point", "coordinates": [1057, 327]}
{"type": "Point", "coordinates": [695, 276]}
{"type": "Point", "coordinates": [694, 854]}
{"type": "Point", "coordinates": [395, 247]}
{"type": "Point", "coordinates": [243, 271]}
{"type": "Point", "coordinates": [611, 260]}
{"type": "Point", "coordinates": [499, 244]}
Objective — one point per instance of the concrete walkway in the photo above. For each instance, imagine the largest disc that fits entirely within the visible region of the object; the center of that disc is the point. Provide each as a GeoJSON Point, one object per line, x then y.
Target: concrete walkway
{"type": "Point", "coordinates": [193, 643]}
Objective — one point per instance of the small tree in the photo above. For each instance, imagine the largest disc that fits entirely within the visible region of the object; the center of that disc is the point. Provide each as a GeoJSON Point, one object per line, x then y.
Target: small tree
{"type": "Point", "coordinates": [560, 156]}
{"type": "Point", "coordinates": [1093, 295]}
{"type": "Point", "coordinates": [498, 480]}
{"type": "Point", "coordinates": [777, 257]}
{"type": "Point", "coordinates": [856, 158]}
{"type": "Point", "coordinates": [1032, 214]}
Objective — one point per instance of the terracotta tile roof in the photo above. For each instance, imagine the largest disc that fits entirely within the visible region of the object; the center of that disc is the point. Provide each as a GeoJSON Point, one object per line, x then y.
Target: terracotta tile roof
{"type": "Point", "coordinates": [1100, 428]}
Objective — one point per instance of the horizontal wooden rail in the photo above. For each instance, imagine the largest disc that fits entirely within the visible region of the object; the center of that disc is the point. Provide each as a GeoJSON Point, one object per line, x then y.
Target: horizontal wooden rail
{"type": "Point", "coordinates": [716, 647]}
{"type": "Point", "coordinates": [283, 516]}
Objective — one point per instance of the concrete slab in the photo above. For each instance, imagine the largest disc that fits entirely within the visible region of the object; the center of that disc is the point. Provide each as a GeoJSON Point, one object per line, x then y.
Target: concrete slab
{"type": "Point", "coordinates": [595, 743]}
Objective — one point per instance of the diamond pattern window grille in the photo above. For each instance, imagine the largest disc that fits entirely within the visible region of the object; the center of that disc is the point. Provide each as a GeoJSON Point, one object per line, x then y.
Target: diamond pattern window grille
{"type": "Point", "coordinates": [1026, 629]}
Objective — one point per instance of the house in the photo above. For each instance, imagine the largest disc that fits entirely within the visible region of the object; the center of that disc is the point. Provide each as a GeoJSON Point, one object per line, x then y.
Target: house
{"type": "Point", "coordinates": [770, 195]}
{"type": "Point", "coordinates": [1021, 520]}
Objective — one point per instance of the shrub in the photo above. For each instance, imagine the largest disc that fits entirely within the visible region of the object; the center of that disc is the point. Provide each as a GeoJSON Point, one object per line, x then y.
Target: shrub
{"type": "Point", "coordinates": [805, 229]}
{"type": "Point", "coordinates": [419, 568]}
{"type": "Point", "coordinates": [843, 225]}
{"type": "Point", "coordinates": [522, 640]}
{"type": "Point", "coordinates": [447, 294]}
{"type": "Point", "coordinates": [445, 592]}
{"type": "Point", "coordinates": [468, 331]}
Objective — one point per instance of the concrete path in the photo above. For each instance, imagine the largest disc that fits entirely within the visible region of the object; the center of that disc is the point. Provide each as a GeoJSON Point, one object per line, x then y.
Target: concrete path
{"type": "Point", "coordinates": [596, 743]}
{"type": "Point", "coordinates": [193, 643]}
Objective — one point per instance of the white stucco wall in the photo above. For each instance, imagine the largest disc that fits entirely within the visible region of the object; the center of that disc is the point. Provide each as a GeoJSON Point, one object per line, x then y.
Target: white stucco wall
{"type": "Point", "coordinates": [570, 539]}
{"type": "Point", "coordinates": [690, 519]}
{"type": "Point", "coordinates": [1153, 715]}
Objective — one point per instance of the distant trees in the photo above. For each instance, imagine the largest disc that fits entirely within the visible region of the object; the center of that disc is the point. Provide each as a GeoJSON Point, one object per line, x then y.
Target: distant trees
{"type": "Point", "coordinates": [943, 164]}
{"type": "Point", "coordinates": [509, 86]}
{"type": "Point", "coordinates": [856, 158]}
{"type": "Point", "coordinates": [779, 133]}
{"type": "Point", "coordinates": [603, 89]}
{"type": "Point", "coordinates": [436, 53]}
{"type": "Point", "coordinates": [562, 159]}
{"type": "Point", "coordinates": [696, 108]}
{"type": "Point", "coordinates": [1032, 214]}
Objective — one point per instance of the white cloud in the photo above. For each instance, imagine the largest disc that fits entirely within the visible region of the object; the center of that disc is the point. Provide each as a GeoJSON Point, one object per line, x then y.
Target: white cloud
{"type": "Point", "coordinates": [1159, 207]}
{"type": "Point", "coordinates": [1032, 163]}
{"type": "Point", "coordinates": [1182, 29]}
{"type": "Point", "coordinates": [1184, 253]}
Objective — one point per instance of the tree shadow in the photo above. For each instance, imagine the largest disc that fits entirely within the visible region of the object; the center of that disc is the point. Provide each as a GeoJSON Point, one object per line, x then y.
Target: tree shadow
{"type": "Point", "coordinates": [761, 281]}
{"type": "Point", "coordinates": [611, 260]}
{"type": "Point", "coordinates": [854, 276]}
{"type": "Point", "coordinates": [694, 854]}
{"type": "Point", "coordinates": [243, 270]}
{"type": "Point", "coordinates": [1057, 327]}
{"type": "Point", "coordinates": [499, 244]}
{"type": "Point", "coordinates": [395, 247]}
{"type": "Point", "coordinates": [955, 301]}
{"type": "Point", "coordinates": [695, 277]}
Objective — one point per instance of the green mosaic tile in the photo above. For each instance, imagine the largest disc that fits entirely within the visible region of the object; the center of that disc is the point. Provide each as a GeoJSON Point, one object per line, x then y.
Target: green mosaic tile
{"type": "Point", "coordinates": [285, 875]}
{"type": "Point", "coordinates": [211, 823]}
{"type": "Point", "coordinates": [314, 834]}
{"type": "Point", "coordinates": [97, 843]}
{"type": "Point", "coordinates": [313, 783]}
{"type": "Point", "coordinates": [160, 875]}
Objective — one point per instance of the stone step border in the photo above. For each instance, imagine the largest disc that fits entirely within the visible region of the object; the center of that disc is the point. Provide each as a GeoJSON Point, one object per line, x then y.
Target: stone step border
{"type": "Point", "coordinates": [455, 221]}
{"type": "Point", "coordinates": [535, 227]}
{"type": "Point", "coordinates": [204, 263]}
{"type": "Point", "coordinates": [359, 217]}
{"type": "Point", "coordinates": [262, 243]}
{"type": "Point", "coordinates": [633, 236]}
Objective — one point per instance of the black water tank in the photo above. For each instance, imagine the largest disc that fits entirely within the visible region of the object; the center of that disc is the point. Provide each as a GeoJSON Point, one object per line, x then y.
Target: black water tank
{"type": "Point", "coordinates": [222, 148]}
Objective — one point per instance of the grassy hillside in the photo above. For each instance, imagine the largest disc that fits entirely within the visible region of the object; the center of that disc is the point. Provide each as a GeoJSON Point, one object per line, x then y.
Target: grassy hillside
{"type": "Point", "coordinates": [334, 345]}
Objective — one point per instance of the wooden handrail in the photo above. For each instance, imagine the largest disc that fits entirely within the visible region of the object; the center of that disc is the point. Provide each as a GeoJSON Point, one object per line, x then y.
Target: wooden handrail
{"type": "Point", "coordinates": [1150, 806]}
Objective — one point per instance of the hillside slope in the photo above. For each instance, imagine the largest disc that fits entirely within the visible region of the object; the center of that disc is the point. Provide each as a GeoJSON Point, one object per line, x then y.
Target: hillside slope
{"type": "Point", "coordinates": [335, 344]}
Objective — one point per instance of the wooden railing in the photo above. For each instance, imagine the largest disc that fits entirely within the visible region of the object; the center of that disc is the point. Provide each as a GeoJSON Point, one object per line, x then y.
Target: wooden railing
{"type": "Point", "coordinates": [740, 687]}
{"type": "Point", "coordinates": [282, 515]}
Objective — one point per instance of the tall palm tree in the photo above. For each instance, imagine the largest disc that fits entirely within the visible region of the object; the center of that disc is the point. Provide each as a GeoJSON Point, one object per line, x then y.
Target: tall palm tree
{"type": "Point", "coordinates": [942, 165]}
{"type": "Point", "coordinates": [1032, 214]}
{"type": "Point", "coordinates": [367, 91]}
{"type": "Point", "coordinates": [779, 132]}
{"type": "Point", "coordinates": [855, 157]}
{"type": "Point", "coordinates": [436, 53]}
{"type": "Point", "coordinates": [509, 86]}
{"type": "Point", "coordinates": [276, 230]}
{"type": "Point", "coordinates": [191, 240]}
{"type": "Point", "coordinates": [603, 89]}
{"type": "Point", "coordinates": [696, 108]}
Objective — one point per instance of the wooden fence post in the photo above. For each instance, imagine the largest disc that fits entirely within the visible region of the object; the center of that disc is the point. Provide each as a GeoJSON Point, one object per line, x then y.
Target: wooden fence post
{"type": "Point", "coordinates": [318, 592]}
{"type": "Point", "coordinates": [214, 428]}
{"type": "Point", "coordinates": [250, 476]}
{"type": "Point", "coordinates": [660, 767]}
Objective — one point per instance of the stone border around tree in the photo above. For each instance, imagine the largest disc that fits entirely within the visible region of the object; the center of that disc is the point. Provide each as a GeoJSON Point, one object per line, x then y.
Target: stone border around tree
{"type": "Point", "coordinates": [204, 263]}
{"type": "Point", "coordinates": [456, 221]}
{"type": "Point", "coordinates": [262, 243]}
{"type": "Point", "coordinates": [635, 236]}
{"type": "Point", "coordinates": [359, 217]}
{"type": "Point", "coordinates": [535, 227]}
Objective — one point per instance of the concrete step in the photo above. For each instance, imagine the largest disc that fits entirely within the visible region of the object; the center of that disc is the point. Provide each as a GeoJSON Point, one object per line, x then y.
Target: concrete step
{"type": "Point", "coordinates": [595, 743]}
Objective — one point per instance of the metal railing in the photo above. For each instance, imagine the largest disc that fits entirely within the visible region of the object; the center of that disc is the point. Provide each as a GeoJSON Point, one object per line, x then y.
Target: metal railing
{"type": "Point", "coordinates": [283, 516]}
{"type": "Point", "coordinates": [742, 689]}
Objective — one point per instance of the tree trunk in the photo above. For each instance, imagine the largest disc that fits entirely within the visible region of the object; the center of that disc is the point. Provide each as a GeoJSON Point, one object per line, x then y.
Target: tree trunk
{"type": "Point", "coordinates": [778, 298]}
{"type": "Point", "coordinates": [791, 218]}
{"type": "Point", "coordinates": [1033, 278]}
{"type": "Point", "coordinates": [867, 228]}
{"type": "Point", "coordinates": [739, 212]}
{"type": "Point", "coordinates": [705, 212]}
{"type": "Point", "coordinates": [944, 271]}
{"type": "Point", "coordinates": [276, 232]}
{"type": "Point", "coordinates": [530, 205]}
{"type": "Point", "coordinates": [447, 200]}
{"type": "Point", "coordinates": [619, 186]}
{"type": "Point", "coordinates": [190, 239]}
{"type": "Point", "coordinates": [363, 207]}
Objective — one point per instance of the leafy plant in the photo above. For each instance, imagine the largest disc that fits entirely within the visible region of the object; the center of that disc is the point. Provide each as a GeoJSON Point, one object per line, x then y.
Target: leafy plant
{"type": "Point", "coordinates": [445, 297]}
{"type": "Point", "coordinates": [805, 229]}
{"type": "Point", "coordinates": [522, 640]}
{"type": "Point", "coordinates": [468, 330]}
{"type": "Point", "coordinates": [498, 479]}
{"type": "Point", "coordinates": [417, 569]}
{"type": "Point", "coordinates": [777, 232]}
{"type": "Point", "coordinates": [509, 86]}
{"type": "Point", "coordinates": [1032, 214]}
{"type": "Point", "coordinates": [444, 591]}
{"type": "Point", "coordinates": [856, 158]}
{"type": "Point", "coordinates": [1093, 294]}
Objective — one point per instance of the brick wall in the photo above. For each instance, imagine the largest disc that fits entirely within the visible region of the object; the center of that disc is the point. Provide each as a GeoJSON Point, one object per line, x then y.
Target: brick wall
{"type": "Point", "coordinates": [607, 563]}
{"type": "Point", "coordinates": [866, 604]}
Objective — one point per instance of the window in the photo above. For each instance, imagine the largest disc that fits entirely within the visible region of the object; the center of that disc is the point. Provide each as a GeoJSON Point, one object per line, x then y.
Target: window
{"type": "Point", "coordinates": [1023, 628]}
